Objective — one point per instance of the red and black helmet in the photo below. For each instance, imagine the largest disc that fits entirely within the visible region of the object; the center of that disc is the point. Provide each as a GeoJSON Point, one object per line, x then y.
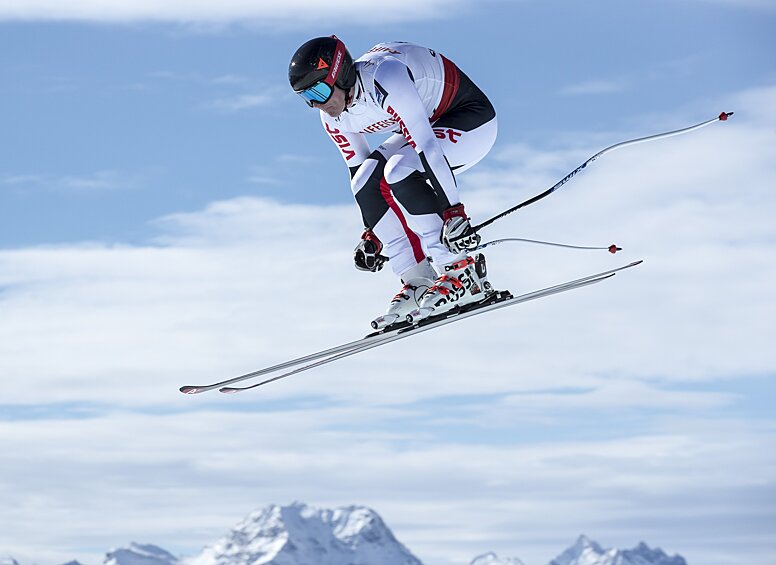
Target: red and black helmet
{"type": "Point", "coordinates": [323, 59]}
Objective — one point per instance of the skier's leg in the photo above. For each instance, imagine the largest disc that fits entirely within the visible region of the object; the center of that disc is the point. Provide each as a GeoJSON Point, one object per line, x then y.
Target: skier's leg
{"type": "Point", "coordinates": [466, 134]}
{"type": "Point", "coordinates": [382, 214]}
{"type": "Point", "coordinates": [387, 219]}
{"type": "Point", "coordinates": [404, 173]}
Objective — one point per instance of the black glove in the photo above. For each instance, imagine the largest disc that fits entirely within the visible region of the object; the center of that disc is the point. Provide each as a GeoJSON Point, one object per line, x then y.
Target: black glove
{"type": "Point", "coordinates": [367, 253]}
{"type": "Point", "coordinates": [457, 233]}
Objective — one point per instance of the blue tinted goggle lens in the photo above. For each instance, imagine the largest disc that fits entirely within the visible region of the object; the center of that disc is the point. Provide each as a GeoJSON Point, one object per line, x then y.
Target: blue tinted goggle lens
{"type": "Point", "coordinates": [319, 92]}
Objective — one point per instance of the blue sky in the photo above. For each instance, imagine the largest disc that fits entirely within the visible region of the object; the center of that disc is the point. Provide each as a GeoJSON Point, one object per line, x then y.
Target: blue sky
{"type": "Point", "coordinates": [171, 213]}
{"type": "Point", "coordinates": [148, 119]}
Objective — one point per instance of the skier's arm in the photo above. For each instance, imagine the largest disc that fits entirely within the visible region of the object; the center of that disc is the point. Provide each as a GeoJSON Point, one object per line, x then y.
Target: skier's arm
{"type": "Point", "coordinates": [403, 103]}
{"type": "Point", "coordinates": [365, 185]}
{"type": "Point", "coordinates": [352, 145]}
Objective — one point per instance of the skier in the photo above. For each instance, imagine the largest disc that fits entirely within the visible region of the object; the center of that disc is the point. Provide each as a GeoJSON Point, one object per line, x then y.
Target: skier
{"type": "Point", "coordinates": [442, 124]}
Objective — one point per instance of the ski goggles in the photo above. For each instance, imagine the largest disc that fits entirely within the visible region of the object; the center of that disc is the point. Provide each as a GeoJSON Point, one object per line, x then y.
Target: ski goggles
{"type": "Point", "coordinates": [320, 92]}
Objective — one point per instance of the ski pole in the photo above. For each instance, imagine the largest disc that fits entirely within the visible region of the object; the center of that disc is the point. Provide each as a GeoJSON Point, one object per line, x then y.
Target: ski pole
{"type": "Point", "coordinates": [610, 248]}
{"type": "Point", "coordinates": [722, 117]}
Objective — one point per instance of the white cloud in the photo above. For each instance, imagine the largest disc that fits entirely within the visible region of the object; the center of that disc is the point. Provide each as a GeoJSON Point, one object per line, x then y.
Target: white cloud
{"type": "Point", "coordinates": [612, 410]}
{"type": "Point", "coordinates": [13, 180]}
{"type": "Point", "coordinates": [101, 180]}
{"type": "Point", "coordinates": [252, 94]}
{"type": "Point", "coordinates": [241, 102]}
{"type": "Point", "coordinates": [89, 182]}
{"type": "Point", "coordinates": [595, 87]}
{"type": "Point", "coordinates": [263, 12]}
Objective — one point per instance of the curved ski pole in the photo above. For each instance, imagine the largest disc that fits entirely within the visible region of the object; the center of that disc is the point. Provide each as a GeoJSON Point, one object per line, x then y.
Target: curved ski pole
{"type": "Point", "coordinates": [722, 117]}
{"type": "Point", "coordinates": [611, 248]}
{"type": "Point", "coordinates": [412, 330]}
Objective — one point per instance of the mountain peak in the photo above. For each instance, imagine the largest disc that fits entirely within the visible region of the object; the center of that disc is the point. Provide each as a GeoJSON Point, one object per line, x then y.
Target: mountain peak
{"type": "Point", "coordinates": [491, 558]}
{"type": "Point", "coordinates": [642, 553]}
{"type": "Point", "coordinates": [587, 552]}
{"type": "Point", "coordinates": [140, 554]}
{"type": "Point", "coordinates": [584, 542]}
{"type": "Point", "coordinates": [298, 533]}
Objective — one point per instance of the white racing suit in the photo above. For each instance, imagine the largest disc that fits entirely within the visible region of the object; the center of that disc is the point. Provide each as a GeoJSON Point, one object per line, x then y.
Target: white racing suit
{"type": "Point", "coordinates": [442, 123]}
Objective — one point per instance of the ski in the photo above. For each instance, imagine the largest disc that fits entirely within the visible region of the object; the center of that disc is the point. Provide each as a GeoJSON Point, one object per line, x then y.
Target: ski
{"type": "Point", "coordinates": [498, 300]}
{"type": "Point", "coordinates": [196, 389]}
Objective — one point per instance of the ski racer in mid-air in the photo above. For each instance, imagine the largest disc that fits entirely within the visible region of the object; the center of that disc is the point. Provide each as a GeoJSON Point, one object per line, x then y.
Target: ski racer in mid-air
{"type": "Point", "coordinates": [442, 124]}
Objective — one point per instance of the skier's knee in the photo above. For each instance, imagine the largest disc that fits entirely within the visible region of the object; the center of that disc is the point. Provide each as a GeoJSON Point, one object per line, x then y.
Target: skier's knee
{"type": "Point", "coordinates": [396, 171]}
{"type": "Point", "coordinates": [362, 176]}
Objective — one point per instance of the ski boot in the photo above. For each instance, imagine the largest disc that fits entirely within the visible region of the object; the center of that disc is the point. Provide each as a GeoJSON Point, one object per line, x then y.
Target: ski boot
{"type": "Point", "coordinates": [416, 282]}
{"type": "Point", "coordinates": [463, 282]}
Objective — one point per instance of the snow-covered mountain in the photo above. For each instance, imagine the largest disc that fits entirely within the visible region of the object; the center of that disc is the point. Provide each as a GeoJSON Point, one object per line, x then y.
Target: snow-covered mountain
{"type": "Point", "coordinates": [138, 554]}
{"type": "Point", "coordinates": [588, 552]}
{"type": "Point", "coordinates": [355, 535]}
{"type": "Point", "coordinates": [493, 559]}
{"type": "Point", "coordinates": [299, 534]}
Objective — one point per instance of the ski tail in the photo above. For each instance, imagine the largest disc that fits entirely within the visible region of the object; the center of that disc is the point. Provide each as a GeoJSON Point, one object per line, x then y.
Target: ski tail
{"type": "Point", "coordinates": [196, 389]}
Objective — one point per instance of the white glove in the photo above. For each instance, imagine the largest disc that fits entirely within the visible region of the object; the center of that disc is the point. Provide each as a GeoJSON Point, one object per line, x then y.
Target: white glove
{"type": "Point", "coordinates": [457, 234]}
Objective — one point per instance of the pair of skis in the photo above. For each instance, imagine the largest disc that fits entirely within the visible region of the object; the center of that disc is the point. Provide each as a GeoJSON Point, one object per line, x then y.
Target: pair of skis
{"type": "Point", "coordinates": [499, 299]}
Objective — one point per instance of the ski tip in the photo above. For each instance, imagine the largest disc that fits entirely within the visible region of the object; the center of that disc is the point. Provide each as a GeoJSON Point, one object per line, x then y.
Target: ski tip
{"type": "Point", "coordinates": [228, 390]}
{"type": "Point", "coordinates": [639, 262]}
{"type": "Point", "coordinates": [725, 115]}
{"type": "Point", "coordinates": [190, 389]}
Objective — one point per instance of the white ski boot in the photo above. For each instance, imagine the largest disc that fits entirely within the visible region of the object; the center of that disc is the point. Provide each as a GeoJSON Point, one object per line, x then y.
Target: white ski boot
{"type": "Point", "coordinates": [416, 282]}
{"type": "Point", "coordinates": [463, 282]}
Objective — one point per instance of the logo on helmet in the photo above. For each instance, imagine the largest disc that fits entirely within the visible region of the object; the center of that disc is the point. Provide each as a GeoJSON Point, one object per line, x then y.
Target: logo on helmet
{"type": "Point", "coordinates": [336, 65]}
{"type": "Point", "coordinates": [322, 64]}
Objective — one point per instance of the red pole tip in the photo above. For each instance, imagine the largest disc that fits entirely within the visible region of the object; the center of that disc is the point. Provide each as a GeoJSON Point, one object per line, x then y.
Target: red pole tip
{"type": "Point", "coordinates": [725, 115]}
{"type": "Point", "coordinates": [614, 249]}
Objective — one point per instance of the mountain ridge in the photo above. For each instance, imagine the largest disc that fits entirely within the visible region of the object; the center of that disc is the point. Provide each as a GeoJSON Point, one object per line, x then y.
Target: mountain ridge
{"type": "Point", "coordinates": [299, 534]}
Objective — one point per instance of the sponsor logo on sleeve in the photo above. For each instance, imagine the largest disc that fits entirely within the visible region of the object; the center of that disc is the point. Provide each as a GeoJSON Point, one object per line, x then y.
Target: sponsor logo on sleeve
{"type": "Point", "coordinates": [379, 126]}
{"type": "Point", "coordinates": [342, 142]}
{"type": "Point", "coordinates": [402, 127]}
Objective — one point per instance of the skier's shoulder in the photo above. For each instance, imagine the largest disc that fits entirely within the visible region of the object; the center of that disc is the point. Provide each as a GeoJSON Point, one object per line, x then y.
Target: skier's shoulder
{"type": "Point", "coordinates": [386, 49]}
{"type": "Point", "coordinates": [402, 51]}
{"type": "Point", "coordinates": [392, 71]}
{"type": "Point", "coordinates": [387, 64]}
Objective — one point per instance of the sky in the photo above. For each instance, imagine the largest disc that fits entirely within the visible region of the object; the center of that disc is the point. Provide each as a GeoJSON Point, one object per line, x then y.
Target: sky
{"type": "Point", "coordinates": [171, 213]}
